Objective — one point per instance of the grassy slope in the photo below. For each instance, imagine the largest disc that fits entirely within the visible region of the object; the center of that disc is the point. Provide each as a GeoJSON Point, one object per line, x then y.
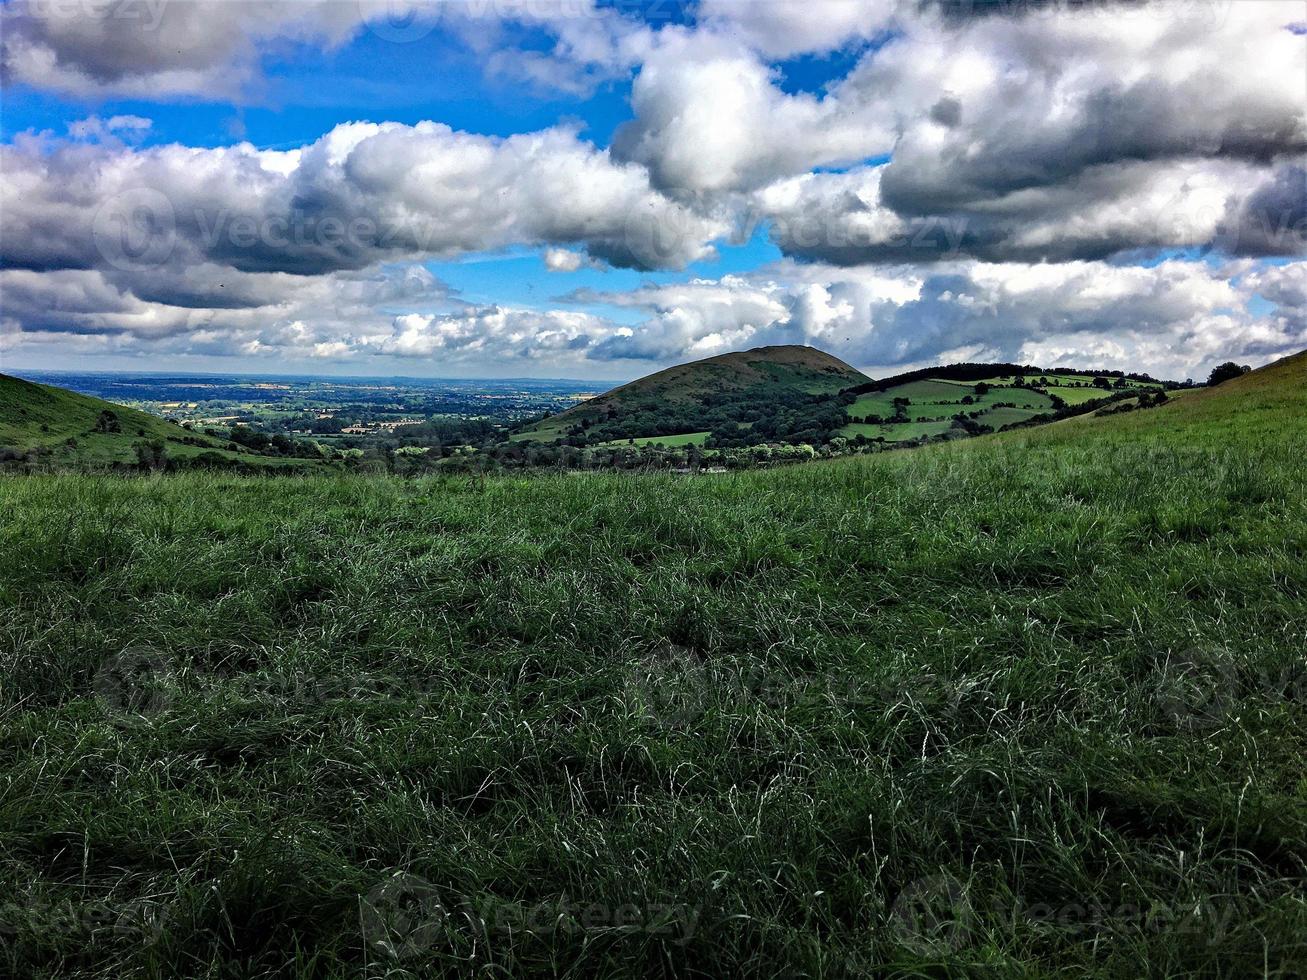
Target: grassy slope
{"type": "Point", "coordinates": [804, 368]}
{"type": "Point", "coordinates": [1050, 682]}
{"type": "Point", "coordinates": [26, 407]}
{"type": "Point", "coordinates": [932, 398]}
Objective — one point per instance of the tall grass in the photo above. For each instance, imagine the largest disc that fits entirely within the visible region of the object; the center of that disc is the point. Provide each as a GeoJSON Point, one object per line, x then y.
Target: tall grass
{"type": "Point", "coordinates": [1016, 707]}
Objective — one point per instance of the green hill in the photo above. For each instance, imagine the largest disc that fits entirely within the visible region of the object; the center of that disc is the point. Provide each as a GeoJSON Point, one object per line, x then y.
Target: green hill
{"type": "Point", "coordinates": [696, 397]}
{"type": "Point", "coordinates": [803, 395]}
{"type": "Point", "coordinates": [54, 426]}
{"type": "Point", "coordinates": [1024, 705]}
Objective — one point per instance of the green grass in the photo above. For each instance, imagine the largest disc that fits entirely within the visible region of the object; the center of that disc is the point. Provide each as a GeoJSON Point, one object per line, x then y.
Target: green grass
{"type": "Point", "coordinates": [1047, 685]}
{"type": "Point", "coordinates": [999, 417]}
{"type": "Point", "coordinates": [1078, 396]}
{"type": "Point", "coordinates": [931, 399]}
{"type": "Point", "coordinates": [897, 432]}
{"type": "Point", "coordinates": [684, 439]}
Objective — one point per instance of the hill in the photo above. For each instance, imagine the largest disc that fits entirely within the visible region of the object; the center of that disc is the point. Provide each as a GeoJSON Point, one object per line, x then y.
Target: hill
{"type": "Point", "coordinates": [48, 425]}
{"type": "Point", "coordinates": [1023, 705]}
{"type": "Point", "coordinates": [694, 398]}
{"type": "Point", "coordinates": [802, 395]}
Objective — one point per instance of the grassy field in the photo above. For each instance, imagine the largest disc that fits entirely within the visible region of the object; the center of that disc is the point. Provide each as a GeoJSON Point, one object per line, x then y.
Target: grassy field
{"type": "Point", "coordinates": [934, 398]}
{"type": "Point", "coordinates": [1022, 705]}
{"type": "Point", "coordinates": [684, 439]}
{"type": "Point", "coordinates": [898, 432]}
{"type": "Point", "coordinates": [930, 400]}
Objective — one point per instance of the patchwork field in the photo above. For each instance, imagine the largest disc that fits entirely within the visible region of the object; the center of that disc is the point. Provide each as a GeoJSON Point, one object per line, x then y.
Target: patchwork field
{"type": "Point", "coordinates": [685, 439]}
{"type": "Point", "coordinates": [932, 403]}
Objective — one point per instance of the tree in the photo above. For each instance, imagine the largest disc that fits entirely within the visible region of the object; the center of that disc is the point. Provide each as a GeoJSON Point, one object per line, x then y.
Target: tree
{"type": "Point", "coordinates": [152, 455]}
{"type": "Point", "coordinates": [107, 422]}
{"type": "Point", "coordinates": [1225, 372]}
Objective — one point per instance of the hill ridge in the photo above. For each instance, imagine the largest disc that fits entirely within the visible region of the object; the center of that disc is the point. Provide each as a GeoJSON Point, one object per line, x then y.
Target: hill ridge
{"type": "Point", "coordinates": [760, 378]}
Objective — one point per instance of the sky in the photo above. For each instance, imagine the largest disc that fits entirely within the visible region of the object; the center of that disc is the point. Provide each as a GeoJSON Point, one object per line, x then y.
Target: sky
{"type": "Point", "coordinates": [595, 190]}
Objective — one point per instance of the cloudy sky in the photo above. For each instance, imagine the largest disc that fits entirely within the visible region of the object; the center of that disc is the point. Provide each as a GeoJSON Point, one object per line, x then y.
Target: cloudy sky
{"type": "Point", "coordinates": [572, 188]}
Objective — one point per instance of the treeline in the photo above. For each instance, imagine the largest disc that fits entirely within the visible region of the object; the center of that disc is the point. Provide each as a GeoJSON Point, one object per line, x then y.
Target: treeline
{"type": "Point", "coordinates": [519, 456]}
{"type": "Point", "coordinates": [1117, 401]}
{"type": "Point", "coordinates": [970, 371]}
{"type": "Point", "coordinates": [733, 419]}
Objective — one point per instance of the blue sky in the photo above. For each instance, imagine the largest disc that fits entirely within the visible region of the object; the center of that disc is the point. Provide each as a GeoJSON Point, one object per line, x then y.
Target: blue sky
{"type": "Point", "coordinates": [911, 187]}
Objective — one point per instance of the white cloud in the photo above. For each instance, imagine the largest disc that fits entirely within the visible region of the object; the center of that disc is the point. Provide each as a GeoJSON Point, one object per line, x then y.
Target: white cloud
{"type": "Point", "coordinates": [115, 127]}
{"type": "Point", "coordinates": [785, 28]}
{"type": "Point", "coordinates": [216, 48]}
{"type": "Point", "coordinates": [1175, 319]}
{"type": "Point", "coordinates": [566, 260]}
{"type": "Point", "coordinates": [361, 194]}
{"type": "Point", "coordinates": [977, 183]}
{"type": "Point", "coordinates": [1068, 135]}
{"type": "Point", "coordinates": [710, 118]}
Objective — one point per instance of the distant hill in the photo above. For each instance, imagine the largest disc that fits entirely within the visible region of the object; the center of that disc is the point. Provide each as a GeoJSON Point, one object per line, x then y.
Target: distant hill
{"type": "Point", "coordinates": [46, 424]}
{"type": "Point", "coordinates": [692, 399]}
{"type": "Point", "coordinates": [802, 395]}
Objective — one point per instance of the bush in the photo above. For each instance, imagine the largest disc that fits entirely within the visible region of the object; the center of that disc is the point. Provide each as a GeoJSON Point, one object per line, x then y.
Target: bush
{"type": "Point", "coordinates": [1226, 372]}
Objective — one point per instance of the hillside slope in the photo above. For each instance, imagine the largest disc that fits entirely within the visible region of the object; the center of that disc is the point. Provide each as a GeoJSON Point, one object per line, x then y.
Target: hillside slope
{"type": "Point", "coordinates": [752, 377]}
{"type": "Point", "coordinates": [65, 427]}
{"type": "Point", "coordinates": [1023, 705]}
{"type": "Point", "coordinates": [1258, 409]}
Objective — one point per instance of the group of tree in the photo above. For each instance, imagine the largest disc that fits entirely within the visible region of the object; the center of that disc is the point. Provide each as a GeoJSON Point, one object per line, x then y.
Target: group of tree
{"type": "Point", "coordinates": [1227, 372]}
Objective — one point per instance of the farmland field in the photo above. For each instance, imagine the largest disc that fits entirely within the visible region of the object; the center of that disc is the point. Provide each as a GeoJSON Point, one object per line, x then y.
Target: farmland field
{"type": "Point", "coordinates": [898, 432]}
{"type": "Point", "coordinates": [684, 439]}
{"type": "Point", "coordinates": [1019, 705]}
